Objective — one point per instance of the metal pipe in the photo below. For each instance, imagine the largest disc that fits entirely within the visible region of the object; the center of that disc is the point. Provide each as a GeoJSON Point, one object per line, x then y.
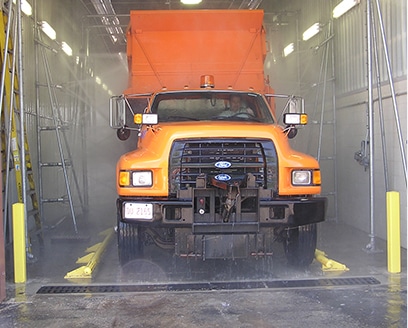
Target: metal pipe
{"type": "Point", "coordinates": [326, 59]}
{"type": "Point", "coordinates": [380, 107]}
{"type": "Point", "coordinates": [333, 68]}
{"type": "Point", "coordinates": [316, 100]}
{"type": "Point", "coordinates": [37, 44]}
{"type": "Point", "coordinates": [371, 245]}
{"type": "Point", "coordinates": [394, 101]}
{"type": "Point", "coordinates": [6, 45]}
{"type": "Point", "coordinates": [9, 119]}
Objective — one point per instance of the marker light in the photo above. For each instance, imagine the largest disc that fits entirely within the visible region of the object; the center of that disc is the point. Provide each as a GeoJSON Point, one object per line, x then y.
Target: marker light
{"type": "Point", "coordinates": [207, 81]}
{"type": "Point", "coordinates": [295, 119]}
{"type": "Point", "coordinates": [124, 178]}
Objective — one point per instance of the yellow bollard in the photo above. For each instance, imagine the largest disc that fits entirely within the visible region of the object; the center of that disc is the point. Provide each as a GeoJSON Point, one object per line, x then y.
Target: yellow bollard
{"type": "Point", "coordinates": [19, 243]}
{"type": "Point", "coordinates": [393, 232]}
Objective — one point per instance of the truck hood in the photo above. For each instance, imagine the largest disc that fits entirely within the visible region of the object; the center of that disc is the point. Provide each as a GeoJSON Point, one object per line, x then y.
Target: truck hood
{"type": "Point", "coordinates": [155, 142]}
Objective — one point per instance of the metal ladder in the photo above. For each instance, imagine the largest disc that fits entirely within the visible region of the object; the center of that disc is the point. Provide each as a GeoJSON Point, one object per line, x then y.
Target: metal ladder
{"type": "Point", "coordinates": [326, 121]}
{"type": "Point", "coordinates": [13, 134]}
{"type": "Point", "coordinates": [57, 126]}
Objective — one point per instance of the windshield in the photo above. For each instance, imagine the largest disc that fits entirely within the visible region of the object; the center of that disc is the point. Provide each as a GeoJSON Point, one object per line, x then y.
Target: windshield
{"type": "Point", "coordinates": [211, 106]}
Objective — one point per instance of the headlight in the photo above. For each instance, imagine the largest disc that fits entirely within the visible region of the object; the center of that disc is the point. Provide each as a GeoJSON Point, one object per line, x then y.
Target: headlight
{"type": "Point", "coordinates": [142, 179]}
{"type": "Point", "coordinates": [301, 178]}
{"type": "Point", "coordinates": [135, 178]}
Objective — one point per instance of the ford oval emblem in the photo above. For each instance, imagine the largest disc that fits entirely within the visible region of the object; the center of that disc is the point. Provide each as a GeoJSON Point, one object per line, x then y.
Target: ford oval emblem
{"type": "Point", "coordinates": [222, 177]}
{"type": "Point", "coordinates": [223, 165]}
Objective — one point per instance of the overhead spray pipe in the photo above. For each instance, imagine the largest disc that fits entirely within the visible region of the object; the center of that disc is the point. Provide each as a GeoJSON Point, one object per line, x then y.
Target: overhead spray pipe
{"type": "Point", "coordinates": [394, 101]}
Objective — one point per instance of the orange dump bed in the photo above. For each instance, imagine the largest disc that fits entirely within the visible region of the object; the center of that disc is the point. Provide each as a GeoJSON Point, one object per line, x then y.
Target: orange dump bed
{"type": "Point", "coordinates": [173, 49]}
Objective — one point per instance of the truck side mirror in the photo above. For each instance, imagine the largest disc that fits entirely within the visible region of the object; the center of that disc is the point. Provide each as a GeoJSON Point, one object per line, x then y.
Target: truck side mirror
{"type": "Point", "coordinates": [117, 112]}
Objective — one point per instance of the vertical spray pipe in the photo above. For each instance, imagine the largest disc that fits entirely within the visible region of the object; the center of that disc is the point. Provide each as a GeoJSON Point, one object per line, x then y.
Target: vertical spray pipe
{"type": "Point", "coordinates": [333, 69]}
{"type": "Point", "coordinates": [371, 245]}
{"type": "Point", "coordinates": [380, 107]}
{"type": "Point", "coordinates": [22, 118]}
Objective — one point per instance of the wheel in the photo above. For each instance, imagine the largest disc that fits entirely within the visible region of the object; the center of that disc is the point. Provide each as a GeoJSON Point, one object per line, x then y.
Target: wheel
{"type": "Point", "coordinates": [300, 245]}
{"type": "Point", "coordinates": [130, 242]}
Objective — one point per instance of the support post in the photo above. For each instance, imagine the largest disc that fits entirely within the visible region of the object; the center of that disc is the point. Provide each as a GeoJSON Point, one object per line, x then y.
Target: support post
{"type": "Point", "coordinates": [19, 243]}
{"type": "Point", "coordinates": [2, 249]}
{"type": "Point", "coordinates": [393, 232]}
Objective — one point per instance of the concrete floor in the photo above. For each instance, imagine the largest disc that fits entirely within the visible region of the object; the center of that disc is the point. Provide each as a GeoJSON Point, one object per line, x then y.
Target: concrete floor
{"type": "Point", "coordinates": [243, 302]}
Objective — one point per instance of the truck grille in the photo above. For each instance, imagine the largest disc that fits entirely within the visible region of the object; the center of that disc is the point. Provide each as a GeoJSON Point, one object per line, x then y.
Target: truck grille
{"type": "Point", "coordinates": [228, 160]}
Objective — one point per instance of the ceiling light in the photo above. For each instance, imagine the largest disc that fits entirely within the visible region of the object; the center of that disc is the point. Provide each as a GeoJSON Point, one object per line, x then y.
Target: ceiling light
{"type": "Point", "coordinates": [311, 31]}
{"type": "Point", "coordinates": [48, 30]}
{"type": "Point", "coordinates": [66, 48]}
{"type": "Point", "coordinates": [25, 7]}
{"type": "Point", "coordinates": [288, 49]}
{"type": "Point", "coordinates": [98, 80]}
{"type": "Point", "coordinates": [190, 2]}
{"type": "Point", "coordinates": [343, 7]}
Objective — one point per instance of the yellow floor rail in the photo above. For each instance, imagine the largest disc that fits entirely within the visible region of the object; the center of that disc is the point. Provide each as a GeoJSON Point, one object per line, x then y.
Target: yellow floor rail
{"type": "Point", "coordinates": [329, 264]}
{"type": "Point", "coordinates": [92, 259]}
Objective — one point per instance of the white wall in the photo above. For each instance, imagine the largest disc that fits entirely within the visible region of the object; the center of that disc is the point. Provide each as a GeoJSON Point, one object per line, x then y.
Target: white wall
{"type": "Point", "coordinates": [353, 186]}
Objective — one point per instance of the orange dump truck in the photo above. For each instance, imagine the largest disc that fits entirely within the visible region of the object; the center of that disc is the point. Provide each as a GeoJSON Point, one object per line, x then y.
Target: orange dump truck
{"type": "Point", "coordinates": [213, 175]}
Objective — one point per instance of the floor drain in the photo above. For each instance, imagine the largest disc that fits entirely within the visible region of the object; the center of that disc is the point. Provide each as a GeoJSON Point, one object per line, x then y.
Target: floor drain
{"type": "Point", "coordinates": [203, 286]}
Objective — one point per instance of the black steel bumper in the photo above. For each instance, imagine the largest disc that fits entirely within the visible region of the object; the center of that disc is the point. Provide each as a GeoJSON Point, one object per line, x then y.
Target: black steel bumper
{"type": "Point", "coordinates": [183, 213]}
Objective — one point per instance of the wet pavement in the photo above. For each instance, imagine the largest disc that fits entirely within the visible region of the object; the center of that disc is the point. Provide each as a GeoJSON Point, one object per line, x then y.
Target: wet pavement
{"type": "Point", "coordinates": [160, 291]}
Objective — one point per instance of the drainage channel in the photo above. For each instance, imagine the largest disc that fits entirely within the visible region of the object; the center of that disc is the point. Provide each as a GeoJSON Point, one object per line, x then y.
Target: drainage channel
{"type": "Point", "coordinates": [207, 286]}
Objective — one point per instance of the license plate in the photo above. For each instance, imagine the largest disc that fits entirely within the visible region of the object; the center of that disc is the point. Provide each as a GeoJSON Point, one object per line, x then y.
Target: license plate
{"type": "Point", "coordinates": [138, 211]}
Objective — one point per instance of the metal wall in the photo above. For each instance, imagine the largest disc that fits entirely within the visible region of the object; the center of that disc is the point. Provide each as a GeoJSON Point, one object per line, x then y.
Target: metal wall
{"type": "Point", "coordinates": [351, 45]}
{"type": "Point", "coordinates": [64, 87]}
{"type": "Point", "coordinates": [300, 73]}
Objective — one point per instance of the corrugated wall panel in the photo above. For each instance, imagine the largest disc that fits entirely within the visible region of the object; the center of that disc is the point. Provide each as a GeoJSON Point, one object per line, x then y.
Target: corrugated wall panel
{"type": "Point", "coordinates": [351, 44]}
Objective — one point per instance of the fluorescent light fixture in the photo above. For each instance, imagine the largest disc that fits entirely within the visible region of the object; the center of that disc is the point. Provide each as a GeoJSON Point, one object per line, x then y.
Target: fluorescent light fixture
{"type": "Point", "coordinates": [104, 87]}
{"type": "Point", "coordinates": [343, 7]}
{"type": "Point", "coordinates": [48, 30]}
{"type": "Point", "coordinates": [311, 31]}
{"type": "Point", "coordinates": [288, 49]}
{"type": "Point", "coordinates": [66, 48]}
{"type": "Point", "coordinates": [190, 2]}
{"type": "Point", "coordinates": [98, 80]}
{"type": "Point", "coordinates": [25, 7]}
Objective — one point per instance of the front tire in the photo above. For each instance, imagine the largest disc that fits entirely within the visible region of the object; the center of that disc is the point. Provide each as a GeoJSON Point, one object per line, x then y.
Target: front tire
{"type": "Point", "coordinates": [130, 242]}
{"type": "Point", "coordinates": [300, 245]}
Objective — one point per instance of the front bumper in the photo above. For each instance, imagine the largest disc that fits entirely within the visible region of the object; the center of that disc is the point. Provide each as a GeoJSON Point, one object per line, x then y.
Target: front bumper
{"type": "Point", "coordinates": [202, 212]}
